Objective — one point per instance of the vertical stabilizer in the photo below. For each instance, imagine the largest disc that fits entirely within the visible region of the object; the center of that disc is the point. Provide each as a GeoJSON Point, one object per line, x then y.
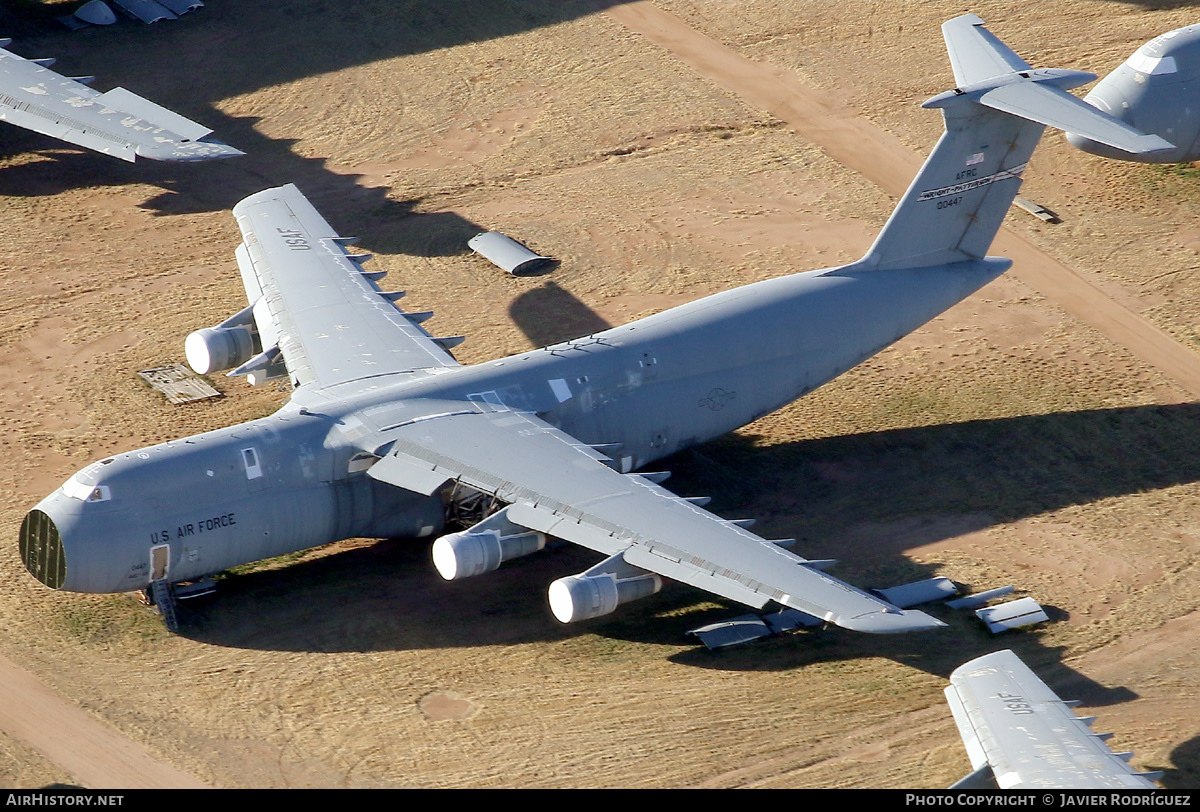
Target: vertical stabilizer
{"type": "Point", "coordinates": [958, 200]}
{"type": "Point", "coordinates": [993, 122]}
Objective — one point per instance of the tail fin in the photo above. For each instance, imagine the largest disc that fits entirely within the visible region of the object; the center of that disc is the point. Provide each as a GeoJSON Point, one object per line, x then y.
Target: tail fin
{"type": "Point", "coordinates": [994, 120]}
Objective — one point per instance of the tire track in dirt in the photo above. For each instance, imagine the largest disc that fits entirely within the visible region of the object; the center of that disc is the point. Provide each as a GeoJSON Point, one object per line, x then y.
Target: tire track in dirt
{"type": "Point", "coordinates": [94, 754]}
{"type": "Point", "coordinates": [860, 146]}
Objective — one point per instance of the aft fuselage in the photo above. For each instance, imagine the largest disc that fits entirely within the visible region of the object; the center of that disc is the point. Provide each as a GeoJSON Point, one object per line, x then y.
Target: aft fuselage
{"type": "Point", "coordinates": [187, 508]}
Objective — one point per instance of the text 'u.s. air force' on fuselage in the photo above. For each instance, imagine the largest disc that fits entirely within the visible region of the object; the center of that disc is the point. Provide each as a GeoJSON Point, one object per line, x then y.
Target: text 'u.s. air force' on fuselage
{"type": "Point", "coordinates": [385, 433]}
{"type": "Point", "coordinates": [116, 123]}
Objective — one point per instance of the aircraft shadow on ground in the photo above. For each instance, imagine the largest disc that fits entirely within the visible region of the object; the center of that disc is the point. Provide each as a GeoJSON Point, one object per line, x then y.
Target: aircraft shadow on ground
{"type": "Point", "coordinates": [386, 596]}
{"type": "Point", "coordinates": [1159, 5]}
{"type": "Point", "coordinates": [229, 49]}
{"type": "Point", "coordinates": [1186, 758]}
{"type": "Point", "coordinates": [382, 223]}
{"type": "Point", "coordinates": [987, 472]}
{"type": "Point", "coordinates": [549, 314]}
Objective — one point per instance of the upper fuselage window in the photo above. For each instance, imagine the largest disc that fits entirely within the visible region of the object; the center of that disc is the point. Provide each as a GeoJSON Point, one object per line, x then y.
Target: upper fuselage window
{"type": "Point", "coordinates": [488, 401]}
{"type": "Point", "coordinates": [1155, 66]}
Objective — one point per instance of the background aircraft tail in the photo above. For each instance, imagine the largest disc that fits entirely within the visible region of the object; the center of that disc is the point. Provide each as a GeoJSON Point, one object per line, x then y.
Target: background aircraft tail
{"type": "Point", "coordinates": [993, 120]}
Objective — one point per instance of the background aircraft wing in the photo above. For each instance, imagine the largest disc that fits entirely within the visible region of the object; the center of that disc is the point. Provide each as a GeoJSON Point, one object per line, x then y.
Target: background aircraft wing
{"type": "Point", "coordinates": [976, 53]}
{"type": "Point", "coordinates": [315, 305]}
{"type": "Point", "coordinates": [563, 488]}
{"type": "Point", "coordinates": [116, 123]}
{"type": "Point", "coordinates": [1013, 725]}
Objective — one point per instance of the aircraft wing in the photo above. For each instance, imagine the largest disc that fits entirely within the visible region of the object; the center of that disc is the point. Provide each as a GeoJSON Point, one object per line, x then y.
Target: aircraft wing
{"type": "Point", "coordinates": [1014, 726]}
{"type": "Point", "coordinates": [116, 123]}
{"type": "Point", "coordinates": [313, 303]}
{"type": "Point", "coordinates": [976, 53]}
{"type": "Point", "coordinates": [563, 488]}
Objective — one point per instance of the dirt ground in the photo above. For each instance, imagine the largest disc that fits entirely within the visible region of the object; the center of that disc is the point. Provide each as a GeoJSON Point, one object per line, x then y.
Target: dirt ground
{"type": "Point", "coordinates": [1024, 437]}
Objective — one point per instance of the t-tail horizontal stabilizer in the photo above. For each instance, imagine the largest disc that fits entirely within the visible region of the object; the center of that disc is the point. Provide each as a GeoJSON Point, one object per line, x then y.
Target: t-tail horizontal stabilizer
{"type": "Point", "coordinates": [989, 73]}
{"type": "Point", "coordinates": [994, 120]}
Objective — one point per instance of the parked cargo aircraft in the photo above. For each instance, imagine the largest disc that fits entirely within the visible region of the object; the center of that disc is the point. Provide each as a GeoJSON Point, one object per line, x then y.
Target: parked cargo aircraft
{"type": "Point", "coordinates": [1156, 90]}
{"type": "Point", "coordinates": [385, 432]}
{"type": "Point", "coordinates": [1020, 735]}
{"type": "Point", "coordinates": [116, 123]}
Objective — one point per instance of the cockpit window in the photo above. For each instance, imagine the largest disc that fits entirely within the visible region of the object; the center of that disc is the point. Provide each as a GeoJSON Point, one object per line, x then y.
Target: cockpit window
{"type": "Point", "coordinates": [86, 493]}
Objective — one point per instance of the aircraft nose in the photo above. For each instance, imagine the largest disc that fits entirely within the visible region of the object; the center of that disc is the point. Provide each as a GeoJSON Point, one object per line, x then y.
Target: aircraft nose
{"type": "Point", "coordinates": [42, 549]}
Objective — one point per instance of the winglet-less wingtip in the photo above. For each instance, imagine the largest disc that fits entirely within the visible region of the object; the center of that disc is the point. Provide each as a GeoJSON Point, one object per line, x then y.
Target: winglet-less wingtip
{"type": "Point", "coordinates": [189, 151]}
{"type": "Point", "coordinates": [891, 621]}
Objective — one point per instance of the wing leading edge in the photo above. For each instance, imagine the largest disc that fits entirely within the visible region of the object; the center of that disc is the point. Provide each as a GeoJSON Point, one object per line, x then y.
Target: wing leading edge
{"type": "Point", "coordinates": [117, 123]}
{"type": "Point", "coordinates": [558, 486]}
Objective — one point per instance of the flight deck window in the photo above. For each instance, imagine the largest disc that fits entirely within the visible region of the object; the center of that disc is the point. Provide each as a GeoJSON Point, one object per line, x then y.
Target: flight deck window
{"type": "Point", "coordinates": [85, 493]}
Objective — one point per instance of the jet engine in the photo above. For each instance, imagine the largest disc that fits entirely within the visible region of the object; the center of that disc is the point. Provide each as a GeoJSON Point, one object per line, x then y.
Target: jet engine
{"type": "Point", "coordinates": [1156, 90]}
{"type": "Point", "coordinates": [231, 343]}
{"type": "Point", "coordinates": [484, 547]}
{"type": "Point", "coordinates": [601, 590]}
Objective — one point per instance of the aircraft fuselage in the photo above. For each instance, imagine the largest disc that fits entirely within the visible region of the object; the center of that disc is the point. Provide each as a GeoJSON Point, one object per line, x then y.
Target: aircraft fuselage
{"type": "Point", "coordinates": [294, 480]}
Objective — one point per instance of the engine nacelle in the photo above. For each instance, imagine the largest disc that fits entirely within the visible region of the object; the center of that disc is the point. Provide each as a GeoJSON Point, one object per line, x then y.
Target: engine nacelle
{"type": "Point", "coordinates": [474, 552]}
{"type": "Point", "coordinates": [582, 597]}
{"type": "Point", "coordinates": [1156, 90]}
{"type": "Point", "coordinates": [212, 349]}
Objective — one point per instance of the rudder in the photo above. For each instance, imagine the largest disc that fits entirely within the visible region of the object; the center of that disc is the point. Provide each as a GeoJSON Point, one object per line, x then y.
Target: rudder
{"type": "Point", "coordinates": [958, 200]}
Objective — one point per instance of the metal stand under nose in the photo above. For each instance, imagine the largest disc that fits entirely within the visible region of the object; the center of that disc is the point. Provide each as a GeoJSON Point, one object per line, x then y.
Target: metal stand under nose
{"type": "Point", "coordinates": [164, 599]}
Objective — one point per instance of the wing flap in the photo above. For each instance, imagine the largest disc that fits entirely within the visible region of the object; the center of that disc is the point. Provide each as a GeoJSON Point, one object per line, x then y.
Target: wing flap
{"type": "Point", "coordinates": [407, 473]}
{"type": "Point", "coordinates": [557, 485]}
{"type": "Point", "coordinates": [121, 99]}
{"type": "Point", "coordinates": [654, 559]}
{"type": "Point", "coordinates": [331, 322]}
{"type": "Point", "coordinates": [35, 118]}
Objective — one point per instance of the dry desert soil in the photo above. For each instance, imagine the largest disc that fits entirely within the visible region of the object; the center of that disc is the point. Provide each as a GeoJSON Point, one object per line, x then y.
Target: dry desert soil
{"type": "Point", "coordinates": [1045, 433]}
